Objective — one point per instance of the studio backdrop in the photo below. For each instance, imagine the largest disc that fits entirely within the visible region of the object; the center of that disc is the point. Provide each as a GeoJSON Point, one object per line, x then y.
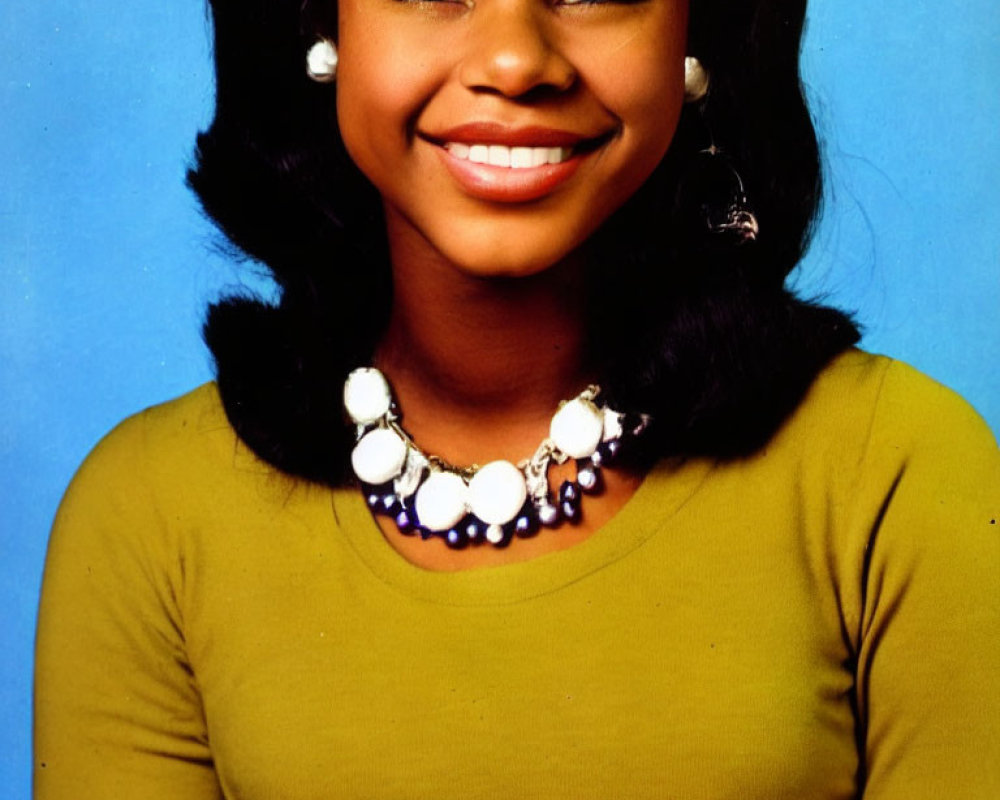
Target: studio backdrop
{"type": "Point", "coordinates": [107, 266]}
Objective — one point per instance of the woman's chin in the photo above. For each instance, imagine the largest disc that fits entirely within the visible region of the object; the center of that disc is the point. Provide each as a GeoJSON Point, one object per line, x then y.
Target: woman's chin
{"type": "Point", "coordinates": [503, 267]}
{"type": "Point", "coordinates": [498, 253]}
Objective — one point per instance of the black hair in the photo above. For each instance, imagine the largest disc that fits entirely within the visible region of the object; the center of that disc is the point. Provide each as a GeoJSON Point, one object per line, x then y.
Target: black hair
{"type": "Point", "coordinates": [719, 358]}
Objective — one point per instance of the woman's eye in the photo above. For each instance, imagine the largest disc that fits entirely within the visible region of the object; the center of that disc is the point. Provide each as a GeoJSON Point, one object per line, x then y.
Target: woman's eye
{"type": "Point", "coordinates": [458, 3]}
{"type": "Point", "coordinates": [598, 2]}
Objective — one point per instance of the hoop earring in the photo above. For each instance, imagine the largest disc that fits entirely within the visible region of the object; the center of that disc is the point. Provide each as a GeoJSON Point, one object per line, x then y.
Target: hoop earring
{"type": "Point", "coordinates": [321, 61]}
{"type": "Point", "coordinates": [735, 221]}
{"type": "Point", "coordinates": [696, 80]}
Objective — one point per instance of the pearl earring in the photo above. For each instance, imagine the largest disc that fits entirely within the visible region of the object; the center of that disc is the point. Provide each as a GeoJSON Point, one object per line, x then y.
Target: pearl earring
{"type": "Point", "coordinates": [695, 80]}
{"type": "Point", "coordinates": [321, 61]}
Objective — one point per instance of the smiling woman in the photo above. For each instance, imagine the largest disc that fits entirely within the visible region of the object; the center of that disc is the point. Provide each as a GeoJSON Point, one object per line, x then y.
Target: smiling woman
{"type": "Point", "coordinates": [536, 481]}
{"type": "Point", "coordinates": [418, 79]}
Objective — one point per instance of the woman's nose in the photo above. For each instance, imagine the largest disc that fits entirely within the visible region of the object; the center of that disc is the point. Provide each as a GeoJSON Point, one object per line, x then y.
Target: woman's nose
{"type": "Point", "coordinates": [510, 51]}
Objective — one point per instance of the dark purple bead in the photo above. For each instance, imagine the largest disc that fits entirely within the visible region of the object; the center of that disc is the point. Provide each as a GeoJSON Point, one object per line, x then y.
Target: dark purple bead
{"type": "Point", "coordinates": [455, 539]}
{"type": "Point", "coordinates": [404, 522]}
{"type": "Point", "coordinates": [569, 501]}
{"type": "Point", "coordinates": [391, 505]}
{"type": "Point", "coordinates": [525, 525]}
{"type": "Point", "coordinates": [373, 500]}
{"type": "Point", "coordinates": [609, 450]}
{"type": "Point", "coordinates": [569, 491]}
{"type": "Point", "coordinates": [475, 530]}
{"type": "Point", "coordinates": [570, 512]}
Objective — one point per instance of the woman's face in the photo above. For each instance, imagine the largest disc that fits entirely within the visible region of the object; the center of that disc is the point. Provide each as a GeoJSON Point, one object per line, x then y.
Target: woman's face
{"type": "Point", "coordinates": [570, 105]}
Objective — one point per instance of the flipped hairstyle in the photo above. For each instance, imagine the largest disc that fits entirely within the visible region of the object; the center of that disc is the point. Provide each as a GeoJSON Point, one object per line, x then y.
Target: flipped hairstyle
{"type": "Point", "coordinates": [720, 358]}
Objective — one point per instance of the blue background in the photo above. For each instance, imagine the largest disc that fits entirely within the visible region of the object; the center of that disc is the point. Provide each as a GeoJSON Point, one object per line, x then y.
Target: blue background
{"type": "Point", "coordinates": [106, 265]}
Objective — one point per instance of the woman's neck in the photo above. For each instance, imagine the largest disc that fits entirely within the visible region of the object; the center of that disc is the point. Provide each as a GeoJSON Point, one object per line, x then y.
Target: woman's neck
{"type": "Point", "coordinates": [479, 364]}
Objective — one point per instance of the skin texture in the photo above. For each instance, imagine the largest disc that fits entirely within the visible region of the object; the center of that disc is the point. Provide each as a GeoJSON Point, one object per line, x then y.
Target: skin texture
{"type": "Point", "coordinates": [486, 331]}
{"type": "Point", "coordinates": [410, 70]}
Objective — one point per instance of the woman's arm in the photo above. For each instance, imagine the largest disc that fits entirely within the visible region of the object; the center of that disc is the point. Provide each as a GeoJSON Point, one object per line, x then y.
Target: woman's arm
{"type": "Point", "coordinates": [117, 708]}
{"type": "Point", "coordinates": [928, 674]}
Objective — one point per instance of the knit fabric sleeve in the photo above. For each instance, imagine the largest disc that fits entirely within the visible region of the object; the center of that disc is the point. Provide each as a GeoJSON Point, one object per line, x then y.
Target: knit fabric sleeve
{"type": "Point", "coordinates": [928, 641]}
{"type": "Point", "coordinates": [117, 709]}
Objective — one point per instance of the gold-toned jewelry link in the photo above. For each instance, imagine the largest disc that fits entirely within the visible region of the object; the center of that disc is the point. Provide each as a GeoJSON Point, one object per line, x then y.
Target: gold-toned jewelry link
{"type": "Point", "coordinates": [466, 473]}
{"type": "Point", "coordinates": [435, 461]}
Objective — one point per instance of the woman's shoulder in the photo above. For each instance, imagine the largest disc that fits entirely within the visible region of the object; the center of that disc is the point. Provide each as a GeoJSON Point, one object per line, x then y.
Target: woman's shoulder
{"type": "Point", "coordinates": [886, 448]}
{"type": "Point", "coordinates": [185, 436]}
{"type": "Point", "coordinates": [880, 399]}
{"type": "Point", "coordinates": [179, 454]}
{"type": "Point", "coordinates": [186, 421]}
{"type": "Point", "coordinates": [873, 431]}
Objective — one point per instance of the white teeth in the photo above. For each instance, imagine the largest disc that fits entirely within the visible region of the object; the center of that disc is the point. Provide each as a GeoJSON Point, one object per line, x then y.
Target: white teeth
{"type": "Point", "coordinates": [498, 155]}
{"type": "Point", "coordinates": [521, 157]}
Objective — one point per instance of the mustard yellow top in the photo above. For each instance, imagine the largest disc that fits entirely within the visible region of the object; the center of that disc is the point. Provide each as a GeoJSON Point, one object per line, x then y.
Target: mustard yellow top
{"type": "Point", "coordinates": [819, 621]}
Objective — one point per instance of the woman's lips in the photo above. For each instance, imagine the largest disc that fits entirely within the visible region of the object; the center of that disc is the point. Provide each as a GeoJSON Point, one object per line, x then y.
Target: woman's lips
{"type": "Point", "coordinates": [511, 165]}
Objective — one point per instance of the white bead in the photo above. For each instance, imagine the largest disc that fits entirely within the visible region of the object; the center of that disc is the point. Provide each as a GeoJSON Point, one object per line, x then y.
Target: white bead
{"type": "Point", "coordinates": [696, 80]}
{"type": "Point", "coordinates": [321, 61]}
{"type": "Point", "coordinates": [576, 428]}
{"type": "Point", "coordinates": [441, 501]}
{"type": "Point", "coordinates": [366, 395]}
{"type": "Point", "coordinates": [497, 492]}
{"type": "Point", "coordinates": [494, 534]}
{"type": "Point", "coordinates": [587, 479]}
{"type": "Point", "coordinates": [612, 425]}
{"type": "Point", "coordinates": [548, 514]}
{"type": "Point", "coordinates": [379, 456]}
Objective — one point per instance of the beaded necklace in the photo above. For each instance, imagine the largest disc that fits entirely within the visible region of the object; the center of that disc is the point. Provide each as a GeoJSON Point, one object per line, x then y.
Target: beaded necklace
{"type": "Point", "coordinates": [491, 503]}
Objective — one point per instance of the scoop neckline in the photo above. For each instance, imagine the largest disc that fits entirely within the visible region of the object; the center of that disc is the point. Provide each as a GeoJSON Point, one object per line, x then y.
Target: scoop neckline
{"type": "Point", "coordinates": [664, 490]}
